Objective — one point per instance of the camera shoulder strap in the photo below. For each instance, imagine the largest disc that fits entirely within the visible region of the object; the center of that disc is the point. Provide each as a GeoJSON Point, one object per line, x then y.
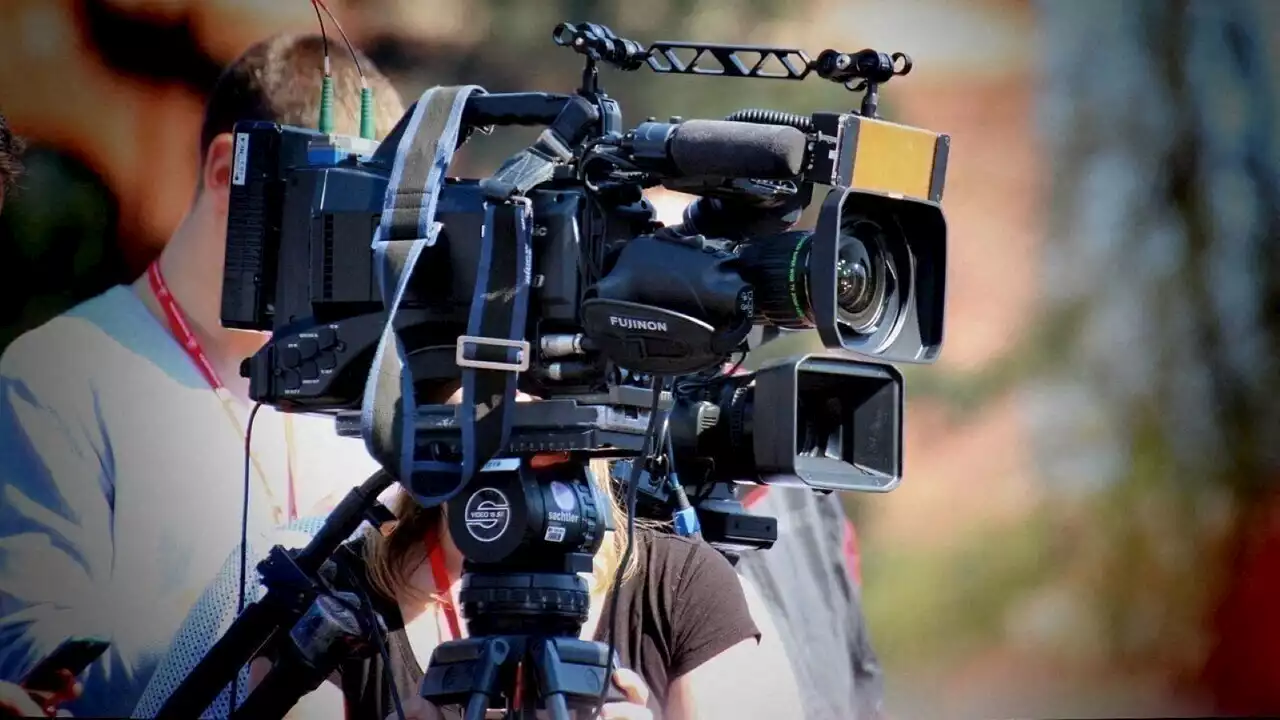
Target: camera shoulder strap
{"type": "Point", "coordinates": [494, 351]}
{"type": "Point", "coordinates": [388, 410]}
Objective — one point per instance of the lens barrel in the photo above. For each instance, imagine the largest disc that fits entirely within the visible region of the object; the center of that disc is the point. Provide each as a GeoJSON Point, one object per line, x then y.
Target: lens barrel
{"type": "Point", "coordinates": [778, 268]}
{"type": "Point", "coordinates": [781, 267]}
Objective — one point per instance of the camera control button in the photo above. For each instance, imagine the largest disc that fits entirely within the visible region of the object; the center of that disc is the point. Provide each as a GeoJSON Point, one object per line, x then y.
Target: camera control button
{"type": "Point", "coordinates": [292, 381]}
{"type": "Point", "coordinates": [307, 348]}
{"type": "Point", "coordinates": [327, 361]}
{"type": "Point", "coordinates": [289, 357]}
{"type": "Point", "coordinates": [326, 338]}
{"type": "Point", "coordinates": [309, 371]}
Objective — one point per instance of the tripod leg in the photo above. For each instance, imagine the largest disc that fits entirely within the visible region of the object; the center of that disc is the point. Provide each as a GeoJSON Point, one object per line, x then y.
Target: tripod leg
{"type": "Point", "coordinates": [477, 706]}
{"type": "Point", "coordinates": [526, 696]}
{"type": "Point", "coordinates": [468, 673]}
{"type": "Point", "coordinates": [571, 674]}
{"type": "Point", "coordinates": [557, 707]}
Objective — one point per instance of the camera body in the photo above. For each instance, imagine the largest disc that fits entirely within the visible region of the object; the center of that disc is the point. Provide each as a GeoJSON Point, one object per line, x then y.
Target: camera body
{"type": "Point", "coordinates": [614, 297]}
{"type": "Point", "coordinates": [299, 265]}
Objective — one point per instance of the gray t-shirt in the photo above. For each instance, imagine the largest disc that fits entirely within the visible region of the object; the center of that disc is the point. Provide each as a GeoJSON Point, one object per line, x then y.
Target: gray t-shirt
{"type": "Point", "coordinates": [806, 581]}
{"type": "Point", "coordinates": [121, 490]}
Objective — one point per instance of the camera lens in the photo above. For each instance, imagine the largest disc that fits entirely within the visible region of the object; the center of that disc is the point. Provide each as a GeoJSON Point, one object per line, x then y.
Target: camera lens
{"type": "Point", "coordinates": [852, 285]}
{"type": "Point", "coordinates": [863, 279]}
{"type": "Point", "coordinates": [780, 269]}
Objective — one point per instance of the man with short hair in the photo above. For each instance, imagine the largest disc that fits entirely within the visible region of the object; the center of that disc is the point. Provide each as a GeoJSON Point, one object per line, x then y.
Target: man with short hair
{"type": "Point", "coordinates": [123, 421]}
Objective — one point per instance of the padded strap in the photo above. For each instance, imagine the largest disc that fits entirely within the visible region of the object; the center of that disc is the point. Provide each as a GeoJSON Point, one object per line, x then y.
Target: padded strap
{"type": "Point", "coordinates": [388, 411]}
{"type": "Point", "coordinates": [494, 350]}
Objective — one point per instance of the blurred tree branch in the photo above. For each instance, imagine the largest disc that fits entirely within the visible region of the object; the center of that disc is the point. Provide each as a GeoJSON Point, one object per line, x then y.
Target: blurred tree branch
{"type": "Point", "coordinates": [1161, 408]}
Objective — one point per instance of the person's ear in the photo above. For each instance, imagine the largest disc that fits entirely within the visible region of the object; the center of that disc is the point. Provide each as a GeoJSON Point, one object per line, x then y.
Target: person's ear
{"type": "Point", "coordinates": [216, 175]}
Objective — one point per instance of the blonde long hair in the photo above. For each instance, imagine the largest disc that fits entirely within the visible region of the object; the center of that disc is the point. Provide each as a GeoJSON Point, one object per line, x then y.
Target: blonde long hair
{"type": "Point", "coordinates": [392, 558]}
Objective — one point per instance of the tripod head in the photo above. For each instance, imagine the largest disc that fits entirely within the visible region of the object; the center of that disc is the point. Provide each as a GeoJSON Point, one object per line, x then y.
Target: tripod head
{"type": "Point", "coordinates": [525, 534]}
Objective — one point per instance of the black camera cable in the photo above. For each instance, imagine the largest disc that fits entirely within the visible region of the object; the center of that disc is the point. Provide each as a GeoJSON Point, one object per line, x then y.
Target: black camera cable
{"type": "Point", "coordinates": [365, 613]}
{"type": "Point", "coordinates": [325, 124]}
{"type": "Point", "coordinates": [376, 631]}
{"type": "Point", "coordinates": [244, 534]}
{"type": "Point", "coordinates": [326, 103]}
{"type": "Point", "coordinates": [683, 517]}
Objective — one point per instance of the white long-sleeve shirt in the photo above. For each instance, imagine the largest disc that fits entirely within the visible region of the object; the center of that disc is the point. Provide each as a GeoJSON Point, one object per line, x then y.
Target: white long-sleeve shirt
{"type": "Point", "coordinates": [121, 485]}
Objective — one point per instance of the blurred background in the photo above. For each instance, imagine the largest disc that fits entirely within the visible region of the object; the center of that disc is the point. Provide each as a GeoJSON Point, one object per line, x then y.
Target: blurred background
{"type": "Point", "coordinates": [1089, 523]}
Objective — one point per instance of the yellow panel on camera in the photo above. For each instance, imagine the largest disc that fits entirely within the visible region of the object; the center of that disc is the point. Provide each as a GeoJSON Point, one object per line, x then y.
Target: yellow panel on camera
{"type": "Point", "coordinates": [892, 158]}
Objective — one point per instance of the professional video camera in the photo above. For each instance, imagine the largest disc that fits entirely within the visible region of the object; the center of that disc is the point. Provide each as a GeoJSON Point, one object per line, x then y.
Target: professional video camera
{"type": "Point", "coordinates": [612, 296]}
{"type": "Point", "coordinates": [379, 277]}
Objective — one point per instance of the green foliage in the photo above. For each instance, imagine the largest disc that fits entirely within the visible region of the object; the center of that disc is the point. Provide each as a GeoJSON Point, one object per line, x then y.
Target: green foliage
{"type": "Point", "coordinates": [1044, 348]}
{"type": "Point", "coordinates": [928, 606]}
{"type": "Point", "coordinates": [59, 228]}
{"type": "Point", "coordinates": [1147, 563]}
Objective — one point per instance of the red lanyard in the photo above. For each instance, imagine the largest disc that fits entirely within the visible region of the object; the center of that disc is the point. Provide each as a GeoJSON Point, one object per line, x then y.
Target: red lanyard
{"type": "Point", "coordinates": [753, 495]}
{"type": "Point", "coordinates": [440, 576]}
{"type": "Point", "coordinates": [179, 327]}
{"type": "Point", "coordinates": [182, 331]}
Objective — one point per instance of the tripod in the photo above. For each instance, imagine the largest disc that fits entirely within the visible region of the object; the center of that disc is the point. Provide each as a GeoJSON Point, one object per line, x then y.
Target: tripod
{"type": "Point", "coordinates": [312, 629]}
{"type": "Point", "coordinates": [526, 535]}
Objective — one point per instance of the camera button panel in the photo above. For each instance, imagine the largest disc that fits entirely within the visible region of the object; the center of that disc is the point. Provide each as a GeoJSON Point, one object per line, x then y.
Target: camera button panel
{"type": "Point", "coordinates": [302, 361]}
{"type": "Point", "coordinates": [309, 371]}
{"type": "Point", "coordinates": [326, 338]}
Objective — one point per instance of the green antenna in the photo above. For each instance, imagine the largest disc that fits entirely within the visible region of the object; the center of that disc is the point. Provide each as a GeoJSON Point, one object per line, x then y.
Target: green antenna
{"type": "Point", "coordinates": [326, 104]}
{"type": "Point", "coordinates": [366, 111]}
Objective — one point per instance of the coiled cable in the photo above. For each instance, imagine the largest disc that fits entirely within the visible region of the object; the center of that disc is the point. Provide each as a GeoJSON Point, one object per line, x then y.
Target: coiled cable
{"type": "Point", "coordinates": [757, 116]}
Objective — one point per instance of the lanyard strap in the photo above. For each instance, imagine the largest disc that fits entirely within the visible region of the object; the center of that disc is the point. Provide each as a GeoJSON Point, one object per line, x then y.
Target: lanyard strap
{"type": "Point", "coordinates": [186, 337]}
{"type": "Point", "coordinates": [440, 576]}
{"type": "Point", "coordinates": [180, 328]}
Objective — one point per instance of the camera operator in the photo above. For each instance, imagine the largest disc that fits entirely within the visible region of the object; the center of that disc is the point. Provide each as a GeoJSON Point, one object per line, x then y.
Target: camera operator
{"type": "Point", "coordinates": [123, 421]}
{"type": "Point", "coordinates": [685, 626]}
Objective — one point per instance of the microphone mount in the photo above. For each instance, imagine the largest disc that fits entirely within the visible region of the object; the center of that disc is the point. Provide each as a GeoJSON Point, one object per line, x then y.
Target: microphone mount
{"type": "Point", "coordinates": [599, 44]}
{"type": "Point", "coordinates": [865, 70]}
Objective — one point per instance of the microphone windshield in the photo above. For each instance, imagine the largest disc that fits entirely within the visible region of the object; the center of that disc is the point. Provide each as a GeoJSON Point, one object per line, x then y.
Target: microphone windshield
{"type": "Point", "coordinates": [723, 148]}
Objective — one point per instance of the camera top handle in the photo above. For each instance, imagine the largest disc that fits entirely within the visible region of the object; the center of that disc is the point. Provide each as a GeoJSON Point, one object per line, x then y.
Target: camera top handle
{"type": "Point", "coordinates": [861, 71]}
